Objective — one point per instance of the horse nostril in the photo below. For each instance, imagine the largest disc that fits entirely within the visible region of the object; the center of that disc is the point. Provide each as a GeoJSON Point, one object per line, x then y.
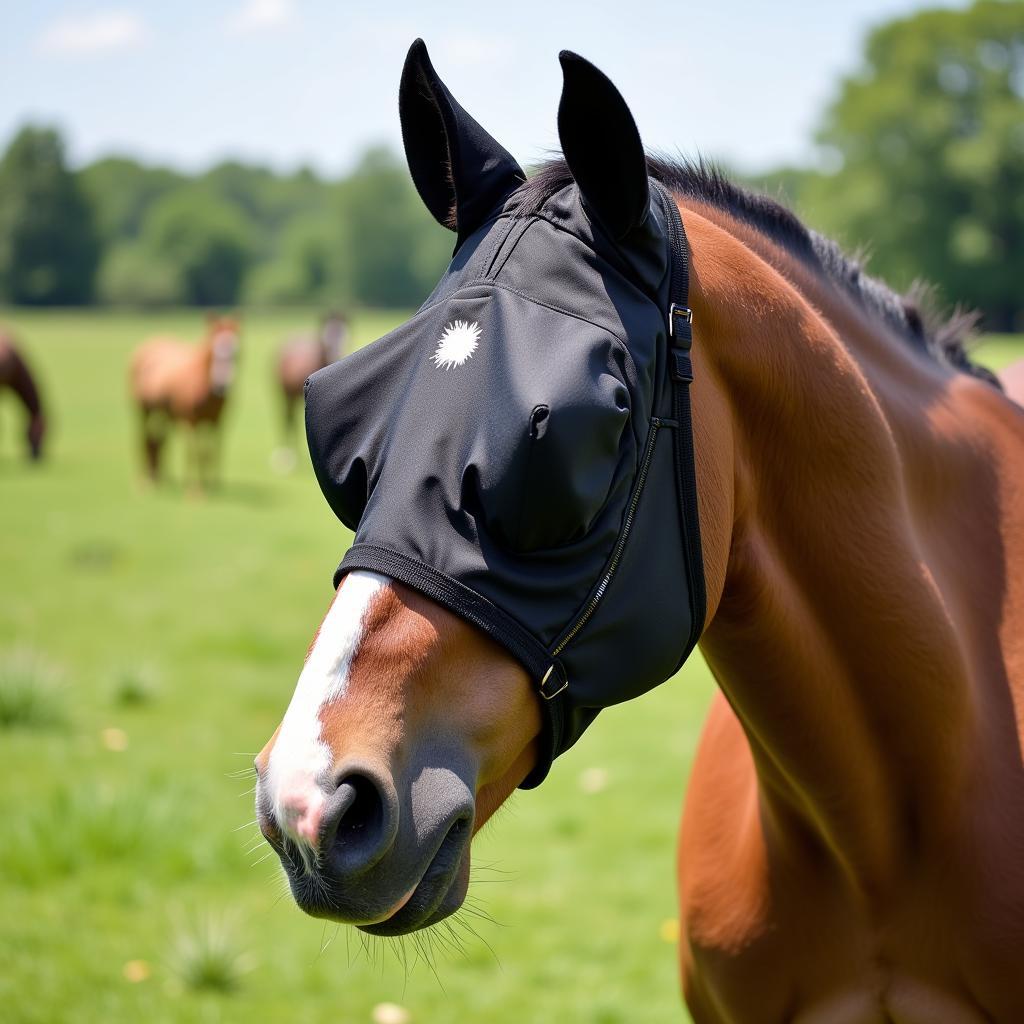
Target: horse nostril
{"type": "Point", "coordinates": [365, 810]}
{"type": "Point", "coordinates": [359, 822]}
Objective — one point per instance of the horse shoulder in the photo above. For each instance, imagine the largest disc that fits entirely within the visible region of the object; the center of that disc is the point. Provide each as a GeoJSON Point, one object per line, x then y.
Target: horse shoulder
{"type": "Point", "coordinates": [722, 857]}
{"type": "Point", "coordinates": [160, 368]}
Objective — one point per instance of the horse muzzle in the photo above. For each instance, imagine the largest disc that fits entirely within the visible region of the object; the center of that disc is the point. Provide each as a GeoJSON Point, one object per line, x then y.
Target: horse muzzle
{"type": "Point", "coordinates": [361, 850]}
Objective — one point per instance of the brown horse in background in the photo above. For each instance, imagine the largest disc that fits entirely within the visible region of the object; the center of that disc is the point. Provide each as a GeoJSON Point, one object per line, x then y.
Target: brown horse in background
{"type": "Point", "coordinates": [174, 381]}
{"type": "Point", "coordinates": [299, 356]}
{"type": "Point", "coordinates": [15, 374]}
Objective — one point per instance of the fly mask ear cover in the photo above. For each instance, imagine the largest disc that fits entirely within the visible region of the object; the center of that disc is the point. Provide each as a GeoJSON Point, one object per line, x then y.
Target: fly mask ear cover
{"type": "Point", "coordinates": [510, 452]}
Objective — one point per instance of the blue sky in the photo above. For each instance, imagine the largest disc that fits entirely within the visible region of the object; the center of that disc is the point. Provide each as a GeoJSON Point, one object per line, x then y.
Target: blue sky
{"type": "Point", "coordinates": [287, 82]}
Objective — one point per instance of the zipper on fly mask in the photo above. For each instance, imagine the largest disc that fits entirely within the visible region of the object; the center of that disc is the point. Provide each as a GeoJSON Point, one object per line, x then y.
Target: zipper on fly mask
{"type": "Point", "coordinates": [657, 423]}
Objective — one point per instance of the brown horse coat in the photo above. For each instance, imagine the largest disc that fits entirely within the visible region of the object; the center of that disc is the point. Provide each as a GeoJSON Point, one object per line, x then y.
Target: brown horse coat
{"type": "Point", "coordinates": [15, 375]}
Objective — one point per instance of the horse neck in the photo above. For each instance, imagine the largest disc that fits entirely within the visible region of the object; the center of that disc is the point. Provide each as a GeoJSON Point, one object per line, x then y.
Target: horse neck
{"type": "Point", "coordinates": [331, 335]}
{"type": "Point", "coordinates": [204, 354]}
{"type": "Point", "coordinates": [842, 616]}
{"type": "Point", "coordinates": [208, 362]}
{"type": "Point", "coordinates": [20, 381]}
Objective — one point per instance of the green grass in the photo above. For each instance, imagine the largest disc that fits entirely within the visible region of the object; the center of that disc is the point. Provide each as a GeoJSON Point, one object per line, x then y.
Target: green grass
{"type": "Point", "coordinates": [207, 954]}
{"type": "Point", "coordinates": [30, 695]}
{"type": "Point", "coordinates": [165, 633]}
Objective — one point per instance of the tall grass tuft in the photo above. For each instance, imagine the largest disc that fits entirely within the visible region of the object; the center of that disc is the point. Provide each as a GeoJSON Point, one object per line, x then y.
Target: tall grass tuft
{"type": "Point", "coordinates": [88, 827]}
{"type": "Point", "coordinates": [135, 686]}
{"type": "Point", "coordinates": [30, 694]}
{"type": "Point", "coordinates": [207, 956]}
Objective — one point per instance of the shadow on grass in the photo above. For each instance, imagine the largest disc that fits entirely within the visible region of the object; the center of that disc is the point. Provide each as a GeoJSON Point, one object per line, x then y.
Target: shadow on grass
{"type": "Point", "coordinates": [248, 493]}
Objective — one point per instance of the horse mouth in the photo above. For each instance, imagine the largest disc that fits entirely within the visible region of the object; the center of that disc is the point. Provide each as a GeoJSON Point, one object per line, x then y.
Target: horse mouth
{"type": "Point", "coordinates": [439, 893]}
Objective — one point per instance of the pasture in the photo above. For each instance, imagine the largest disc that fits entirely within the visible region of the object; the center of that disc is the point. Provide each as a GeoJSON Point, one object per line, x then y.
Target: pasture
{"type": "Point", "coordinates": [149, 643]}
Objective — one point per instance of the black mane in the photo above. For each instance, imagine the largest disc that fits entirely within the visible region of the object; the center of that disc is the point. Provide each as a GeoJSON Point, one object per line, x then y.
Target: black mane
{"type": "Point", "coordinates": [912, 315]}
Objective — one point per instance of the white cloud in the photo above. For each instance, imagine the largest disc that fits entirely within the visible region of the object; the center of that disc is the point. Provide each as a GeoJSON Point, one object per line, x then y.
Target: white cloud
{"type": "Point", "coordinates": [100, 32]}
{"type": "Point", "coordinates": [261, 15]}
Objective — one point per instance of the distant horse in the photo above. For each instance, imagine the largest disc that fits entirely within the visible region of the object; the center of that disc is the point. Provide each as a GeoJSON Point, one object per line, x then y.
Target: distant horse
{"type": "Point", "coordinates": [852, 845]}
{"type": "Point", "coordinates": [300, 356]}
{"type": "Point", "coordinates": [174, 381]}
{"type": "Point", "coordinates": [15, 374]}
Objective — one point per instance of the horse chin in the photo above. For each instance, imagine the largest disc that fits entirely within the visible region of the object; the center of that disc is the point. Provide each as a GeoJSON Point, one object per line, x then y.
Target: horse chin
{"type": "Point", "coordinates": [440, 893]}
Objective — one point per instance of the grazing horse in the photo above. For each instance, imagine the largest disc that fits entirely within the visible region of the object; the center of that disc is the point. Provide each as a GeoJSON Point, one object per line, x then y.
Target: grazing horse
{"type": "Point", "coordinates": [852, 844]}
{"type": "Point", "coordinates": [15, 374]}
{"type": "Point", "coordinates": [174, 381]}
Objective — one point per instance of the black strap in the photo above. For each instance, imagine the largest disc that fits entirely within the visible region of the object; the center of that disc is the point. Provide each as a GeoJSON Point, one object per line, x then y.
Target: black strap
{"type": "Point", "coordinates": [680, 341]}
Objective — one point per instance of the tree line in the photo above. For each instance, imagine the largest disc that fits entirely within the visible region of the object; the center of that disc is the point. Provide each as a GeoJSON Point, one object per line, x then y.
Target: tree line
{"type": "Point", "coordinates": [119, 232]}
{"type": "Point", "coordinates": [922, 165]}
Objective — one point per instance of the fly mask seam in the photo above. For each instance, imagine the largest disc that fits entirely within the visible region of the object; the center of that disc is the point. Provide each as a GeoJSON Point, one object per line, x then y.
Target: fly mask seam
{"type": "Point", "coordinates": [300, 759]}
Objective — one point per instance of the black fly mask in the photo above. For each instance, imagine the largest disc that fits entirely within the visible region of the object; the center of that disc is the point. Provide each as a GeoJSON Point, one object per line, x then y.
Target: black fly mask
{"type": "Point", "coordinates": [520, 451]}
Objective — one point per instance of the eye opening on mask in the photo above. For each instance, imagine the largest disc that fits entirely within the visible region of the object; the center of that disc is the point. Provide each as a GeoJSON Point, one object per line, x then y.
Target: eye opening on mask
{"type": "Point", "coordinates": [539, 419]}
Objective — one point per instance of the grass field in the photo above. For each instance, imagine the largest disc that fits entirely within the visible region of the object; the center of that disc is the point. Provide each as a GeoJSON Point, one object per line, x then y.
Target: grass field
{"type": "Point", "coordinates": [149, 643]}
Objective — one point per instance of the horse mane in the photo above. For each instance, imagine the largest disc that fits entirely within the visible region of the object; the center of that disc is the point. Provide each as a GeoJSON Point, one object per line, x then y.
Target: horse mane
{"type": "Point", "coordinates": [914, 316]}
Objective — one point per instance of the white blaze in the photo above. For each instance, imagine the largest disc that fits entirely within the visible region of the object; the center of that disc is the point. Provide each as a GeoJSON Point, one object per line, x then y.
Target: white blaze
{"type": "Point", "coordinates": [300, 757]}
{"type": "Point", "coordinates": [222, 372]}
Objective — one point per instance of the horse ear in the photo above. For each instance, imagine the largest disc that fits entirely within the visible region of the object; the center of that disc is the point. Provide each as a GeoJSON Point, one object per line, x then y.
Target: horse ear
{"type": "Point", "coordinates": [459, 170]}
{"type": "Point", "coordinates": [602, 146]}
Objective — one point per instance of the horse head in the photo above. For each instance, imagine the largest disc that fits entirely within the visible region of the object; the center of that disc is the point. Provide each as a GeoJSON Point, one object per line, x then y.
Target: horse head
{"type": "Point", "coordinates": [490, 455]}
{"type": "Point", "coordinates": [223, 337]}
{"type": "Point", "coordinates": [333, 331]}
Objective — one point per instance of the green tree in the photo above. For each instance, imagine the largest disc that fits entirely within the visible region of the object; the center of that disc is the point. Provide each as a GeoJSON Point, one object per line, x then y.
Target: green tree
{"type": "Point", "coordinates": [133, 275]}
{"type": "Point", "coordinates": [930, 135]}
{"type": "Point", "coordinates": [48, 245]}
{"type": "Point", "coordinates": [390, 252]}
{"type": "Point", "coordinates": [121, 192]}
{"type": "Point", "coordinates": [300, 270]}
{"type": "Point", "coordinates": [206, 239]}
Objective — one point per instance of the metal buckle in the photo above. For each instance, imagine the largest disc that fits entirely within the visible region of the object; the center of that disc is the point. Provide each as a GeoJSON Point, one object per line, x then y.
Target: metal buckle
{"type": "Point", "coordinates": [547, 676]}
{"type": "Point", "coordinates": [681, 311]}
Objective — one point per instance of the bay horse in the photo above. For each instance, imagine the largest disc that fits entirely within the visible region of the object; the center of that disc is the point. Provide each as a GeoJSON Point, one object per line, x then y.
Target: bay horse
{"type": "Point", "coordinates": [851, 848]}
{"type": "Point", "coordinates": [300, 356]}
{"type": "Point", "coordinates": [16, 376]}
{"type": "Point", "coordinates": [174, 381]}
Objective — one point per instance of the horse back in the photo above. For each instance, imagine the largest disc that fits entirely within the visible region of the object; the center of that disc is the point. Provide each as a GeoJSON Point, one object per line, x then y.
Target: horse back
{"type": "Point", "coordinates": [168, 373]}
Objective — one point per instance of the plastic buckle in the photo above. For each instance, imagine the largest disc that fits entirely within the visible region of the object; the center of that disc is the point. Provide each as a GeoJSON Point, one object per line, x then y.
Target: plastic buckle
{"type": "Point", "coordinates": [558, 672]}
{"type": "Point", "coordinates": [684, 314]}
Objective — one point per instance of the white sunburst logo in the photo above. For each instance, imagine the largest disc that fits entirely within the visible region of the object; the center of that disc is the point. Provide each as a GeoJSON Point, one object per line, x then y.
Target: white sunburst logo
{"type": "Point", "coordinates": [457, 344]}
